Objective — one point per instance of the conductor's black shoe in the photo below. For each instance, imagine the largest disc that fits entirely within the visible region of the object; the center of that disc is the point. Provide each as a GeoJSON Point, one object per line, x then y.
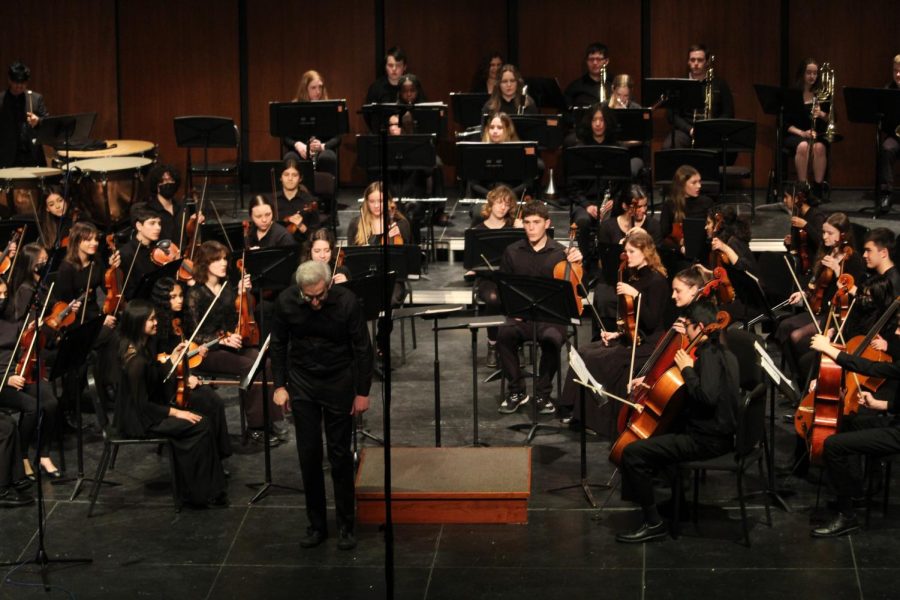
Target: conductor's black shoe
{"type": "Point", "coordinates": [645, 533]}
{"type": "Point", "coordinates": [346, 541]}
{"type": "Point", "coordinates": [10, 498]}
{"type": "Point", "coordinates": [281, 431]}
{"type": "Point", "coordinates": [512, 402]}
{"type": "Point", "coordinates": [313, 538]}
{"type": "Point", "coordinates": [842, 525]}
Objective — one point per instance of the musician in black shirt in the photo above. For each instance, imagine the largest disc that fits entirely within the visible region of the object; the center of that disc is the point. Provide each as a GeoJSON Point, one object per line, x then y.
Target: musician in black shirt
{"type": "Point", "coordinates": [295, 205]}
{"type": "Point", "coordinates": [585, 90]}
{"type": "Point", "coordinates": [722, 103]}
{"type": "Point", "coordinates": [509, 95]}
{"type": "Point", "coordinates": [890, 144]}
{"type": "Point", "coordinates": [163, 182]}
{"type": "Point", "coordinates": [322, 362]}
{"type": "Point", "coordinates": [262, 230]}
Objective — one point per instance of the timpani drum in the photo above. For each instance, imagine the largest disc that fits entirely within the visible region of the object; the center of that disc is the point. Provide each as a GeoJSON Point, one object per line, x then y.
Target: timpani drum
{"type": "Point", "coordinates": [26, 183]}
{"type": "Point", "coordinates": [105, 172]}
{"type": "Point", "coordinates": [113, 148]}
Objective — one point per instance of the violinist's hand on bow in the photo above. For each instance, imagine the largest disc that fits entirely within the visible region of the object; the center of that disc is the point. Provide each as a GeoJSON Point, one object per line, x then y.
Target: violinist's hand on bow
{"type": "Point", "coordinates": [573, 255]}
{"type": "Point", "coordinates": [16, 382]}
{"type": "Point", "coordinates": [636, 383]}
{"type": "Point", "coordinates": [869, 401]}
{"type": "Point", "coordinates": [339, 278]}
{"type": "Point", "coordinates": [683, 360]}
{"type": "Point", "coordinates": [176, 353]}
{"type": "Point", "coordinates": [624, 288]}
{"type": "Point", "coordinates": [193, 382]}
{"type": "Point", "coordinates": [796, 299]}
{"type": "Point", "coordinates": [518, 223]}
{"type": "Point", "coordinates": [245, 285]}
{"type": "Point", "coordinates": [109, 322]}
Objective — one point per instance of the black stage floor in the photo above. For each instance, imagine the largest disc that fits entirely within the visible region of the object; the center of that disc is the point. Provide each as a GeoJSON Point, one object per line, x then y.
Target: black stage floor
{"type": "Point", "coordinates": [142, 549]}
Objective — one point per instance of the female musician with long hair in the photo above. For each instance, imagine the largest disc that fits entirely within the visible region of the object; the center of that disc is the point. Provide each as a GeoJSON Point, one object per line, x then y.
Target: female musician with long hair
{"type": "Point", "coordinates": [729, 235]}
{"type": "Point", "coordinates": [802, 137]}
{"type": "Point", "coordinates": [499, 130]}
{"type": "Point", "coordinates": [142, 410]}
{"type": "Point", "coordinates": [264, 231]}
{"type": "Point", "coordinates": [56, 216]}
{"type": "Point", "coordinates": [321, 247]}
{"type": "Point", "coordinates": [608, 359]}
{"type": "Point", "coordinates": [509, 95]}
{"type": "Point", "coordinates": [685, 200]}
{"type": "Point", "coordinates": [621, 92]}
{"type": "Point", "coordinates": [488, 74]}
{"type": "Point", "coordinates": [311, 88]}
{"type": "Point", "coordinates": [229, 355]}
{"type": "Point", "coordinates": [81, 272]}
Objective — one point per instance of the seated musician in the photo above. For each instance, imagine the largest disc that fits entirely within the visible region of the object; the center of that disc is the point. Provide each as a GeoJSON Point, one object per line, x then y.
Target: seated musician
{"type": "Point", "coordinates": [711, 404]}
{"type": "Point", "coordinates": [163, 182]}
{"type": "Point", "coordinates": [321, 248]}
{"type": "Point", "coordinates": [509, 96]}
{"type": "Point", "coordinates": [878, 247]}
{"type": "Point", "coordinates": [499, 130]}
{"type": "Point", "coordinates": [264, 231]}
{"type": "Point", "coordinates": [872, 435]}
{"type": "Point", "coordinates": [229, 355]}
{"type": "Point", "coordinates": [386, 89]}
{"type": "Point", "coordinates": [608, 359]}
{"type": "Point", "coordinates": [890, 146]}
{"type": "Point", "coordinates": [142, 410]}
{"type": "Point", "coordinates": [137, 261]}
{"type": "Point", "coordinates": [683, 120]}
{"type": "Point", "coordinates": [55, 218]}
{"type": "Point", "coordinates": [802, 138]}
{"type": "Point", "coordinates": [835, 257]}
{"type": "Point", "coordinates": [168, 304]}
{"type": "Point", "coordinates": [631, 212]}
{"type": "Point", "coordinates": [536, 256]}
{"type": "Point", "coordinates": [496, 213]}
{"type": "Point", "coordinates": [488, 75]}
{"type": "Point", "coordinates": [621, 93]}
{"type": "Point", "coordinates": [17, 394]}
{"type": "Point", "coordinates": [805, 216]}
{"type": "Point", "coordinates": [418, 183]}
{"type": "Point", "coordinates": [585, 91]}
{"type": "Point", "coordinates": [684, 201]}
{"type": "Point", "coordinates": [14, 485]}
{"type": "Point", "coordinates": [729, 235]}
{"type": "Point", "coordinates": [297, 208]}
{"type": "Point", "coordinates": [311, 88]}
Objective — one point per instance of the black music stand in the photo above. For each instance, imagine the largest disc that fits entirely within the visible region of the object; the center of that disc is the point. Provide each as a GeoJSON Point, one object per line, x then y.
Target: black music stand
{"type": "Point", "coordinates": [430, 117]}
{"type": "Point", "coordinates": [488, 243]}
{"type": "Point", "coordinates": [322, 119]}
{"type": "Point", "coordinates": [726, 135]}
{"type": "Point", "coordinates": [546, 130]}
{"type": "Point", "coordinates": [230, 235]}
{"type": "Point", "coordinates": [546, 93]}
{"type": "Point", "coordinates": [536, 299]}
{"type": "Point", "coordinates": [774, 100]}
{"type": "Point", "coordinates": [271, 270]}
{"type": "Point", "coordinates": [876, 106]}
{"type": "Point", "coordinates": [62, 132]}
{"type": "Point", "coordinates": [634, 125]}
{"type": "Point", "coordinates": [258, 367]}
{"type": "Point", "coordinates": [513, 162]}
{"type": "Point", "coordinates": [204, 132]}
{"type": "Point", "coordinates": [405, 154]}
{"type": "Point", "coordinates": [675, 94]}
{"type": "Point", "coordinates": [468, 108]}
{"type": "Point", "coordinates": [597, 164]}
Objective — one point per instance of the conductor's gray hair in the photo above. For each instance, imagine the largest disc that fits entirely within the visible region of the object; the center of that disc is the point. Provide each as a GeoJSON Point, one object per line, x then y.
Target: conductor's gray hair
{"type": "Point", "coordinates": [311, 272]}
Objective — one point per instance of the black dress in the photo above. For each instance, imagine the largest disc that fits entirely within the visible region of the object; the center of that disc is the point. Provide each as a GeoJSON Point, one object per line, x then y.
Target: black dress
{"type": "Point", "coordinates": [140, 412]}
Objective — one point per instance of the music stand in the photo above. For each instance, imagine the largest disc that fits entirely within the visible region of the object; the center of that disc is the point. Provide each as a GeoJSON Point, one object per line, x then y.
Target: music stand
{"type": "Point", "coordinates": [726, 135]}
{"type": "Point", "coordinates": [271, 270]}
{"type": "Point", "coordinates": [876, 106]}
{"type": "Point", "coordinates": [597, 164]}
{"type": "Point", "coordinates": [145, 286]}
{"type": "Point", "coordinates": [322, 119]}
{"type": "Point", "coordinates": [468, 108]}
{"type": "Point", "coordinates": [430, 117]}
{"type": "Point", "coordinates": [536, 299]}
{"type": "Point", "coordinates": [60, 132]}
{"type": "Point", "coordinates": [490, 243]}
{"type": "Point", "coordinates": [230, 235]}
{"type": "Point", "coordinates": [695, 241]}
{"type": "Point", "coordinates": [546, 130]}
{"type": "Point", "coordinates": [634, 125]}
{"type": "Point", "coordinates": [774, 100]}
{"type": "Point", "coordinates": [514, 162]}
{"type": "Point", "coordinates": [546, 93]}
{"type": "Point", "coordinates": [405, 154]}
{"type": "Point", "coordinates": [675, 94]}
{"type": "Point", "coordinates": [203, 132]}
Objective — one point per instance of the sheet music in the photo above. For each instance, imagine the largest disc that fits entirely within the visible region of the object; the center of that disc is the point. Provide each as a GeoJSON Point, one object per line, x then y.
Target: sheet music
{"type": "Point", "coordinates": [576, 363]}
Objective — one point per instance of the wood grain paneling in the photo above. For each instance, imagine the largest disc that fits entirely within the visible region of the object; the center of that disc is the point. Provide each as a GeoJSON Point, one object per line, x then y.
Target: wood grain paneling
{"type": "Point", "coordinates": [177, 58]}
{"type": "Point", "coordinates": [860, 41]}
{"type": "Point", "coordinates": [286, 39]}
{"type": "Point", "coordinates": [743, 34]}
{"type": "Point", "coordinates": [71, 53]}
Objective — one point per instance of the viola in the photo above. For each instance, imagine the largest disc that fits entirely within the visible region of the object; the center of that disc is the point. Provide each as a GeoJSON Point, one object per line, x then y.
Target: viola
{"type": "Point", "coordinates": [824, 277]}
{"type": "Point", "coordinates": [310, 207]}
{"type": "Point", "coordinates": [193, 354]}
{"type": "Point", "coordinates": [625, 319]}
{"type": "Point", "coordinates": [6, 261]}
{"type": "Point", "coordinates": [164, 252]}
{"type": "Point", "coordinates": [62, 315]}
{"type": "Point", "coordinates": [663, 400]}
{"type": "Point", "coordinates": [798, 240]}
{"type": "Point", "coordinates": [718, 260]}
{"type": "Point", "coordinates": [27, 365]}
{"type": "Point", "coordinates": [246, 327]}
{"type": "Point", "coordinates": [114, 299]}
{"type": "Point", "coordinates": [571, 272]}
{"type": "Point", "coordinates": [192, 233]}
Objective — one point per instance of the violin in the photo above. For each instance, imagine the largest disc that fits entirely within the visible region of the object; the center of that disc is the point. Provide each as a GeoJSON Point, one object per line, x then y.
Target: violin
{"type": "Point", "coordinates": [27, 365]}
{"type": "Point", "coordinates": [193, 355]}
{"type": "Point", "coordinates": [114, 299]}
{"type": "Point", "coordinates": [798, 240]}
{"type": "Point", "coordinates": [164, 252]}
{"type": "Point", "coordinates": [571, 272]}
{"type": "Point", "coordinates": [246, 327]}
{"type": "Point", "coordinates": [5, 261]}
{"type": "Point", "coordinates": [662, 401]}
{"type": "Point", "coordinates": [311, 207]}
{"type": "Point", "coordinates": [62, 315]}
{"type": "Point", "coordinates": [192, 229]}
{"type": "Point", "coordinates": [824, 277]}
{"type": "Point", "coordinates": [625, 319]}
{"type": "Point", "coordinates": [176, 327]}
{"type": "Point", "coordinates": [394, 240]}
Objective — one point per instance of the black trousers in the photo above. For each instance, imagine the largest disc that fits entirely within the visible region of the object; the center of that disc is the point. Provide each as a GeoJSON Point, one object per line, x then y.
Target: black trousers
{"type": "Point", "coordinates": [25, 401]}
{"type": "Point", "coordinates": [873, 435]}
{"type": "Point", "coordinates": [642, 459]}
{"type": "Point", "coordinates": [890, 149]}
{"type": "Point", "coordinates": [309, 417]}
{"type": "Point", "coordinates": [11, 468]}
{"type": "Point", "coordinates": [486, 291]}
{"type": "Point", "coordinates": [549, 336]}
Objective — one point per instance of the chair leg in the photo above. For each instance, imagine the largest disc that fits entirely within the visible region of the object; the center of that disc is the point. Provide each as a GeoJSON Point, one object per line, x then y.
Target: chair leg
{"type": "Point", "coordinates": [696, 502]}
{"type": "Point", "coordinates": [112, 462]}
{"type": "Point", "coordinates": [868, 478]}
{"type": "Point", "coordinates": [887, 486]}
{"type": "Point", "coordinates": [176, 490]}
{"type": "Point", "coordinates": [677, 492]}
{"type": "Point", "coordinates": [766, 490]}
{"type": "Point", "coordinates": [98, 478]}
{"type": "Point", "coordinates": [742, 502]}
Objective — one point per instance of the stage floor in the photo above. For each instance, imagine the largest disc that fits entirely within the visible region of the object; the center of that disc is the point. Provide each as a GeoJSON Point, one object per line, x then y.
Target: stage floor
{"type": "Point", "coordinates": [141, 548]}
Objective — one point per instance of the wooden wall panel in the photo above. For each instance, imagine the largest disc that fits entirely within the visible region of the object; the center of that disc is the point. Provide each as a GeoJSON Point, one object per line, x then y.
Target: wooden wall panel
{"type": "Point", "coordinates": [743, 34]}
{"type": "Point", "coordinates": [71, 53]}
{"type": "Point", "coordinates": [286, 39]}
{"type": "Point", "coordinates": [860, 41]}
{"type": "Point", "coordinates": [177, 58]}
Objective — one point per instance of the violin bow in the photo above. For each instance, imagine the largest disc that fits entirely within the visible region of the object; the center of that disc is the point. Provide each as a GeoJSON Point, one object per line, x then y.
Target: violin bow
{"type": "Point", "coordinates": [336, 254]}
{"type": "Point", "coordinates": [274, 193]}
{"type": "Point", "coordinates": [193, 335]}
{"type": "Point", "coordinates": [86, 288]}
{"type": "Point", "coordinates": [12, 267]}
{"type": "Point", "coordinates": [634, 340]}
{"type": "Point", "coordinates": [802, 294]}
{"type": "Point", "coordinates": [127, 277]}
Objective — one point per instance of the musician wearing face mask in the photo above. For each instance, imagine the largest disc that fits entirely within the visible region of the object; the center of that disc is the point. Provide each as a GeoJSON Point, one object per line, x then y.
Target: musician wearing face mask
{"type": "Point", "coordinates": [163, 182]}
{"type": "Point", "coordinates": [683, 119]}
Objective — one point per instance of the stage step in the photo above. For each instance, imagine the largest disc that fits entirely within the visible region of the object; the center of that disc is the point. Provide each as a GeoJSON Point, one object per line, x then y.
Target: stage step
{"type": "Point", "coordinates": [446, 485]}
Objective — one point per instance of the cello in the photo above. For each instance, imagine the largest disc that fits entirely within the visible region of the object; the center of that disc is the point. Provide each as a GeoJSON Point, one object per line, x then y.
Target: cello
{"type": "Point", "coordinates": [663, 400]}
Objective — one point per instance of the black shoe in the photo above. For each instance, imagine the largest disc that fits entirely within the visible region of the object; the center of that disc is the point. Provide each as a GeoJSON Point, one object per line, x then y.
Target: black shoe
{"type": "Point", "coordinates": [842, 525]}
{"type": "Point", "coordinates": [544, 405]}
{"type": "Point", "coordinates": [491, 360]}
{"type": "Point", "coordinates": [644, 533]}
{"type": "Point", "coordinates": [313, 538]}
{"type": "Point", "coordinates": [512, 402]}
{"type": "Point", "coordinates": [22, 484]}
{"type": "Point", "coordinates": [347, 541]}
{"type": "Point", "coordinates": [257, 436]}
{"type": "Point", "coordinates": [57, 474]}
{"type": "Point", "coordinates": [281, 431]}
{"type": "Point", "coordinates": [10, 498]}
{"type": "Point", "coordinates": [565, 415]}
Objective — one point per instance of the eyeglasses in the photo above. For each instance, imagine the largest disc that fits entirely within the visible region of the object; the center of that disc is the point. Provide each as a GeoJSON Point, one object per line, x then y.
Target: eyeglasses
{"type": "Point", "coordinates": [316, 297]}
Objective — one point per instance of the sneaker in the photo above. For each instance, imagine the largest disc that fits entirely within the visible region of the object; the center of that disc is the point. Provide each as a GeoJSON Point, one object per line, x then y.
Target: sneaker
{"type": "Point", "coordinates": [565, 415]}
{"type": "Point", "coordinates": [346, 541]}
{"type": "Point", "coordinates": [512, 402]}
{"type": "Point", "coordinates": [544, 405]}
{"type": "Point", "coordinates": [491, 361]}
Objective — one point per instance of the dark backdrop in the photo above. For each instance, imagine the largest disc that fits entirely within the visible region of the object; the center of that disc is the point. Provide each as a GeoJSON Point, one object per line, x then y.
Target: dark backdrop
{"type": "Point", "coordinates": [139, 63]}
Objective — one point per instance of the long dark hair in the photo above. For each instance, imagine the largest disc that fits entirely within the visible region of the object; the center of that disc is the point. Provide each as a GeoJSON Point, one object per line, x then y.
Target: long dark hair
{"type": "Point", "coordinates": [732, 224]}
{"type": "Point", "coordinates": [82, 230]}
{"type": "Point", "coordinates": [163, 305]}
{"type": "Point", "coordinates": [132, 338]}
